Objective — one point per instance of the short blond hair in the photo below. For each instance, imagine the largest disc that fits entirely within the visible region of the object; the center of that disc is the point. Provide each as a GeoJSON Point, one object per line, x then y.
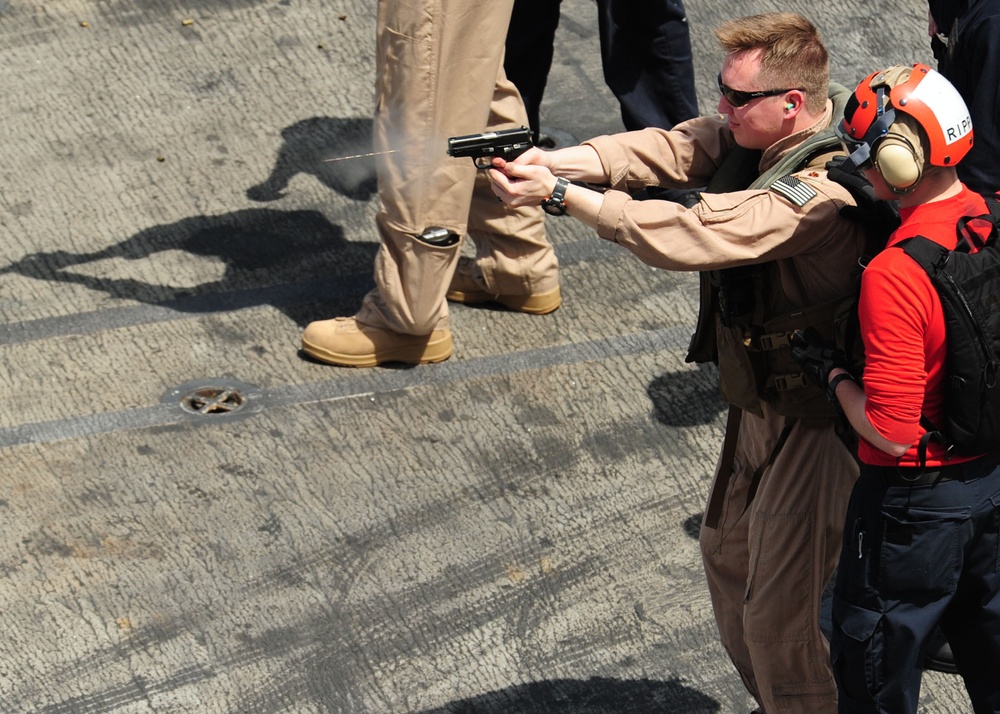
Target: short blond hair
{"type": "Point", "coordinates": [792, 53]}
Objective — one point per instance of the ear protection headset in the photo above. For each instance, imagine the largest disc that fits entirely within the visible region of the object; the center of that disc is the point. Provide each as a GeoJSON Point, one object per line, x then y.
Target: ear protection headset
{"type": "Point", "coordinates": [903, 119]}
{"type": "Point", "coordinates": [899, 157]}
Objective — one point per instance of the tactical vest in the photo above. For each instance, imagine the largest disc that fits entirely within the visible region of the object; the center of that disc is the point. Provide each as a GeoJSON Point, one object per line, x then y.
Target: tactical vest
{"type": "Point", "coordinates": [745, 319]}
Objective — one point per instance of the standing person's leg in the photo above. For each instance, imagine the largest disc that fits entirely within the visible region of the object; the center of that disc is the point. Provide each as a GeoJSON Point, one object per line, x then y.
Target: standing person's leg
{"type": "Point", "coordinates": [648, 61]}
{"type": "Point", "coordinates": [530, 39]}
{"type": "Point", "coordinates": [902, 558]}
{"type": "Point", "coordinates": [796, 523]}
{"type": "Point", "coordinates": [437, 61]}
{"type": "Point", "coordinates": [725, 554]}
{"type": "Point", "coordinates": [768, 607]}
{"type": "Point", "coordinates": [515, 264]}
{"type": "Point", "coordinates": [972, 619]}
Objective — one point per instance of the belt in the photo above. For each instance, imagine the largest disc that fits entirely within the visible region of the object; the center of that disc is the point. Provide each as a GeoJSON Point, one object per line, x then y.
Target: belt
{"type": "Point", "coordinates": [915, 475]}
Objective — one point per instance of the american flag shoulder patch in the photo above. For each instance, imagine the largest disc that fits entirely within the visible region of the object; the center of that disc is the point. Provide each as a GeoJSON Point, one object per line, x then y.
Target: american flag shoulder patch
{"type": "Point", "coordinates": [796, 191]}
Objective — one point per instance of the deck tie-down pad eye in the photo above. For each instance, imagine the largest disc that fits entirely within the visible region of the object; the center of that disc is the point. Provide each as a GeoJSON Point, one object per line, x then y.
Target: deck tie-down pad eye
{"type": "Point", "coordinates": [216, 397]}
{"type": "Point", "coordinates": [213, 400]}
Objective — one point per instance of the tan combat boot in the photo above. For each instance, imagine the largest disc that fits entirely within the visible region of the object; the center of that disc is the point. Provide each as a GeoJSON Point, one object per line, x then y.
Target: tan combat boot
{"type": "Point", "coordinates": [464, 288]}
{"type": "Point", "coordinates": [346, 342]}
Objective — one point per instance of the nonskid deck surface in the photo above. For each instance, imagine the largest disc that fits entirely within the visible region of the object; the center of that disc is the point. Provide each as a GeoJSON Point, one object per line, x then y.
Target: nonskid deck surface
{"type": "Point", "coordinates": [198, 519]}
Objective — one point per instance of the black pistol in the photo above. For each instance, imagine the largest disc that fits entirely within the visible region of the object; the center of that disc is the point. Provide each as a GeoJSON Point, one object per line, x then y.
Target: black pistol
{"type": "Point", "coordinates": [506, 143]}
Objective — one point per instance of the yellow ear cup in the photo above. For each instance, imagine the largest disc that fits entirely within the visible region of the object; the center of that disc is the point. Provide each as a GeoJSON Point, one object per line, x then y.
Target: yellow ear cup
{"type": "Point", "coordinates": [899, 157]}
{"type": "Point", "coordinates": [896, 162]}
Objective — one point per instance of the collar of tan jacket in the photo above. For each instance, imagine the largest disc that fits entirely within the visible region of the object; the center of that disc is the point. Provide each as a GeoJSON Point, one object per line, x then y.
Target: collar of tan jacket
{"type": "Point", "coordinates": [776, 151]}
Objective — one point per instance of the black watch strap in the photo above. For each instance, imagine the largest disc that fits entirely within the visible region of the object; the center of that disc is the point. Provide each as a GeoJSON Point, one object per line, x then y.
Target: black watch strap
{"type": "Point", "coordinates": [555, 205]}
{"type": "Point", "coordinates": [831, 389]}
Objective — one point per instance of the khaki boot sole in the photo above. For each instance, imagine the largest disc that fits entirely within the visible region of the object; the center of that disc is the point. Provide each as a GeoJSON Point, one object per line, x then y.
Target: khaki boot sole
{"type": "Point", "coordinates": [537, 304]}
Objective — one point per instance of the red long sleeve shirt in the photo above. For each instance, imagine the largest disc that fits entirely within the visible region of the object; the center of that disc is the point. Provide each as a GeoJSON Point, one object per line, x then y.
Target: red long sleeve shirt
{"type": "Point", "coordinates": [902, 325]}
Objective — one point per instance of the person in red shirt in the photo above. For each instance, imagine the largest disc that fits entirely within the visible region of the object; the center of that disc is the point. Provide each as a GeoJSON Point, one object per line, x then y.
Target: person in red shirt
{"type": "Point", "coordinates": [920, 545]}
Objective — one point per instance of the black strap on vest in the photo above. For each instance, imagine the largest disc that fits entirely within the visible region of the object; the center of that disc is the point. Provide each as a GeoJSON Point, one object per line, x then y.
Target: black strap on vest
{"type": "Point", "coordinates": [931, 433]}
{"type": "Point", "coordinates": [758, 474]}
{"type": "Point", "coordinates": [713, 513]}
{"type": "Point", "coordinates": [714, 510]}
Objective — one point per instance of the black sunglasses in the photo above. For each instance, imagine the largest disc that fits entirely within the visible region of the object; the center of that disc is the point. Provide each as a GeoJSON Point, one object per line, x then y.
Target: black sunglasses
{"type": "Point", "coordinates": [738, 98]}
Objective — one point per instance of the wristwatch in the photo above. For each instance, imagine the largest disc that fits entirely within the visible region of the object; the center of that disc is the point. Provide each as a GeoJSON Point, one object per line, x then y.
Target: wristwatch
{"type": "Point", "coordinates": [831, 388]}
{"type": "Point", "coordinates": [555, 205]}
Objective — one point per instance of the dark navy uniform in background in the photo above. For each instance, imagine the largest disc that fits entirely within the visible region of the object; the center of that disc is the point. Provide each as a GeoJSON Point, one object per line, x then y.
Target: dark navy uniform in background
{"type": "Point", "coordinates": [971, 62]}
{"type": "Point", "coordinates": [645, 52]}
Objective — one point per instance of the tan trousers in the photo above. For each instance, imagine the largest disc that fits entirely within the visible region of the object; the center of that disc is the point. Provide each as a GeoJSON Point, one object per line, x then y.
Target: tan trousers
{"type": "Point", "coordinates": [768, 564]}
{"type": "Point", "coordinates": [439, 74]}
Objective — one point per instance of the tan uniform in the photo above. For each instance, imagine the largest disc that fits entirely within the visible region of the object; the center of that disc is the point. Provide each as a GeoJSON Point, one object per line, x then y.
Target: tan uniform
{"type": "Point", "coordinates": [440, 74]}
{"type": "Point", "coordinates": [777, 539]}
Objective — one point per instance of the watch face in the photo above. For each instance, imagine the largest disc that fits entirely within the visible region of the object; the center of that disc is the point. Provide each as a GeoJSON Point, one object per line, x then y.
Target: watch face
{"type": "Point", "coordinates": [554, 207]}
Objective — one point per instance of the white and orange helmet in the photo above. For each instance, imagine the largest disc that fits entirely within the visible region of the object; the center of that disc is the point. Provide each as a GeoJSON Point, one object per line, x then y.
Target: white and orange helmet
{"type": "Point", "coordinates": [903, 119]}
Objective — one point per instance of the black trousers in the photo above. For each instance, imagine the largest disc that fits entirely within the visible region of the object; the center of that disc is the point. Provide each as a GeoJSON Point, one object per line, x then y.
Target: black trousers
{"type": "Point", "coordinates": [918, 551]}
{"type": "Point", "coordinates": [645, 54]}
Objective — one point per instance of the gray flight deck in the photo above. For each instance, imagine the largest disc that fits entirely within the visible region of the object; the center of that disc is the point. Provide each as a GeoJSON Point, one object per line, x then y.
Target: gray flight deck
{"type": "Point", "coordinates": [195, 518]}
